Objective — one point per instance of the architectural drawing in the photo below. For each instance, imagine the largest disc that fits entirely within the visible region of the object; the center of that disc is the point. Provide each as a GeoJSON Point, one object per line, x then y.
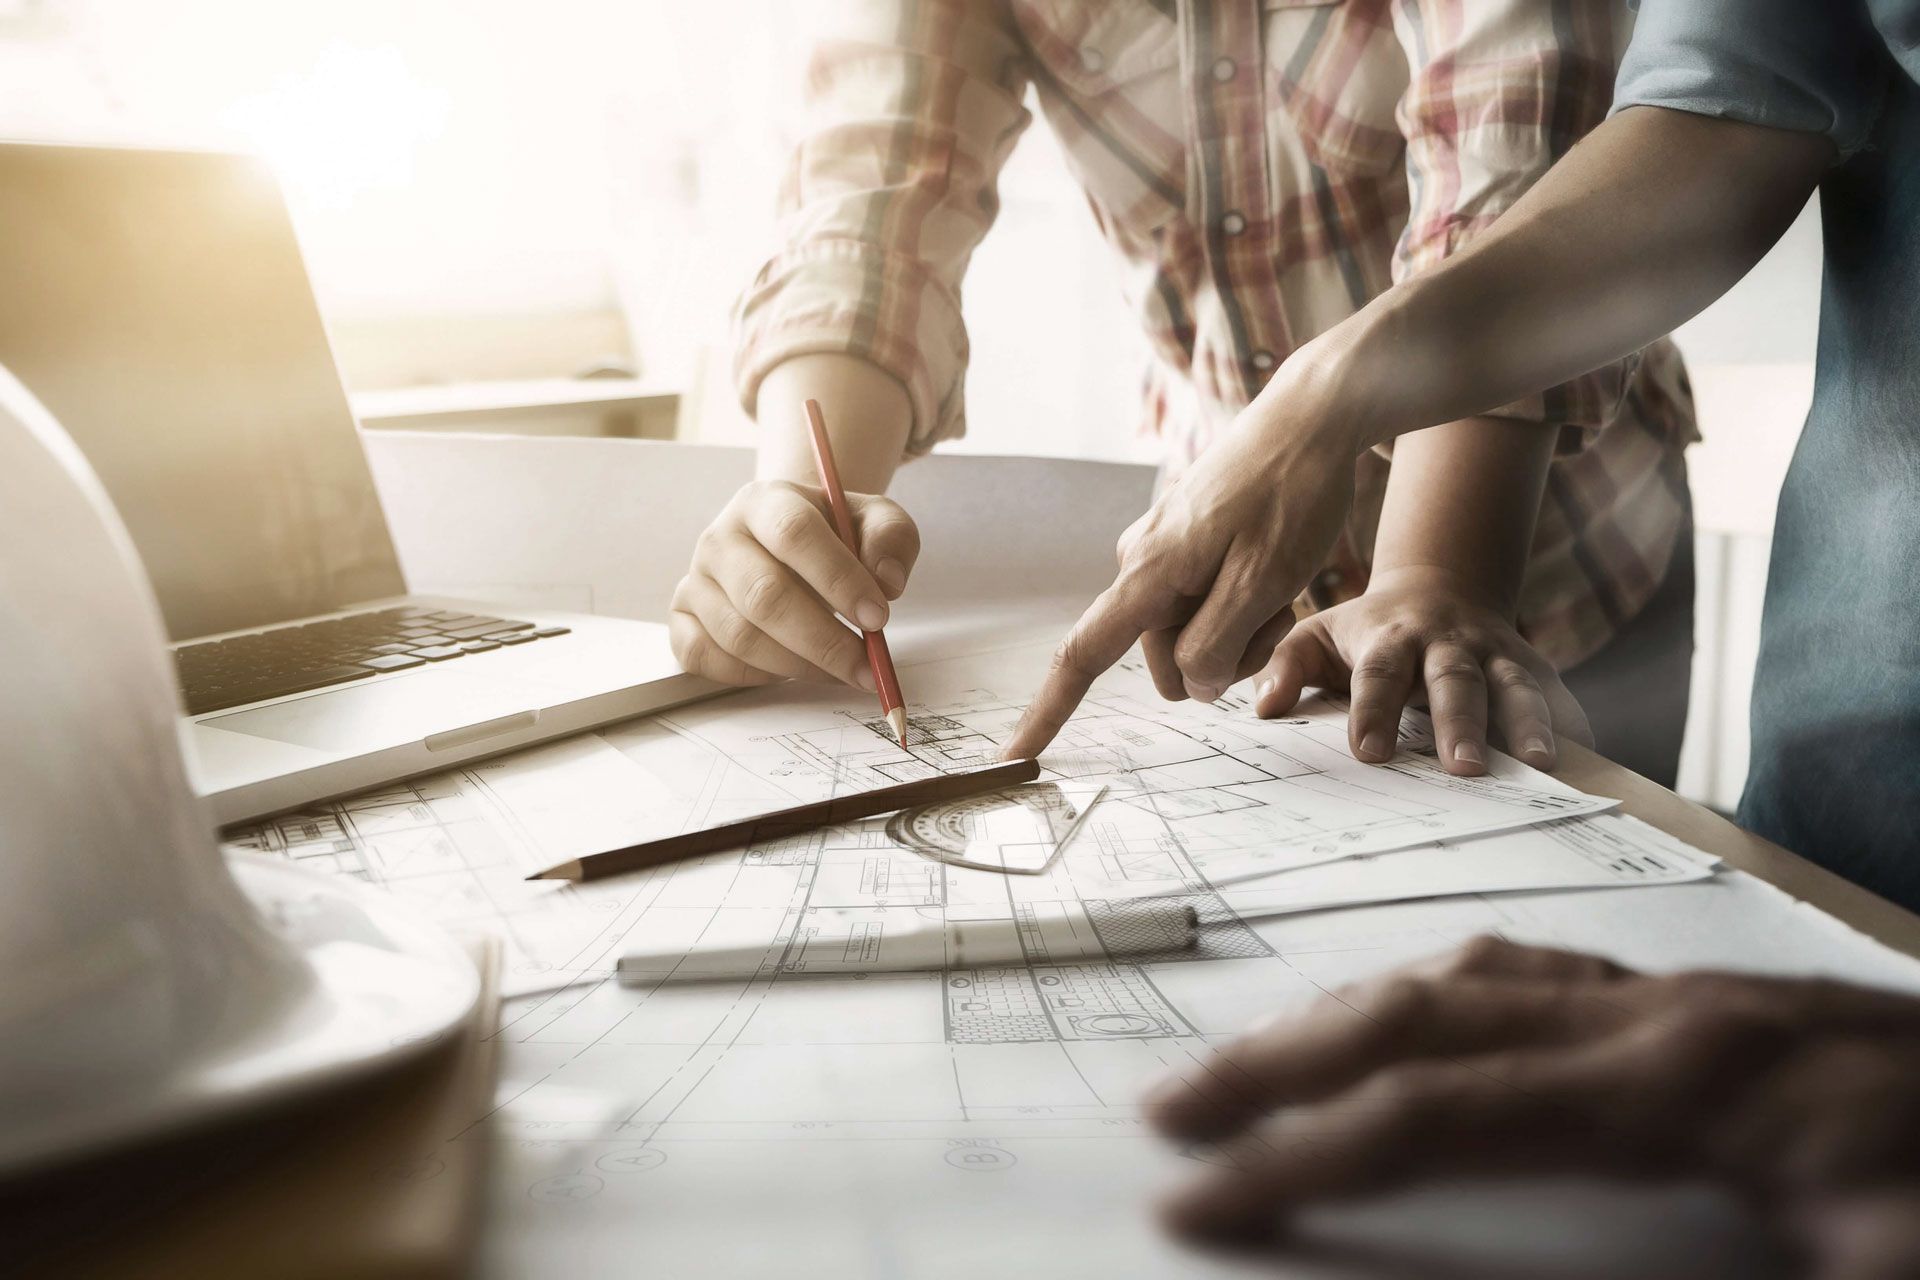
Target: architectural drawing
{"type": "Point", "coordinates": [635, 1118]}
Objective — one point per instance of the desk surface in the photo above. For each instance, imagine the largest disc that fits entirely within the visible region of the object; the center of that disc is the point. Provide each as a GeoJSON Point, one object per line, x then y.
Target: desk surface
{"type": "Point", "coordinates": [1741, 849]}
{"type": "Point", "coordinates": [225, 1218]}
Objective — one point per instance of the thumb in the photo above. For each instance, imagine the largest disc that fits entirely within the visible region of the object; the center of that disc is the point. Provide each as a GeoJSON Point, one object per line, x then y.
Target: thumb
{"type": "Point", "coordinates": [1569, 717]}
{"type": "Point", "coordinates": [1304, 659]}
{"type": "Point", "coordinates": [889, 540]}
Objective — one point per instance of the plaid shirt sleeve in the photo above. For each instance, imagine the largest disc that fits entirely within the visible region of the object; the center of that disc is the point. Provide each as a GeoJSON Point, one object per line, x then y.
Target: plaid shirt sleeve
{"type": "Point", "coordinates": [1496, 95]}
{"type": "Point", "coordinates": [912, 108]}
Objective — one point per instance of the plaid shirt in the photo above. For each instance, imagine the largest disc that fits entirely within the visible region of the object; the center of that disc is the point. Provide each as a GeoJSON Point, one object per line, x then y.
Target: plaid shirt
{"type": "Point", "coordinates": [1263, 168]}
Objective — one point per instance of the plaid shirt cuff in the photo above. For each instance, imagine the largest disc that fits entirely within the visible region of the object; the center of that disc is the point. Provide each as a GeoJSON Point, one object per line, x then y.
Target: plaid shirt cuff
{"type": "Point", "coordinates": [847, 297]}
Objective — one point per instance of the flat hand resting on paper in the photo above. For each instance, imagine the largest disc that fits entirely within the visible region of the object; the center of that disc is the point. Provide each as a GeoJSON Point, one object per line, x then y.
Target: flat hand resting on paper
{"type": "Point", "coordinates": [1506, 1060]}
{"type": "Point", "coordinates": [1418, 627]}
{"type": "Point", "coordinates": [768, 576]}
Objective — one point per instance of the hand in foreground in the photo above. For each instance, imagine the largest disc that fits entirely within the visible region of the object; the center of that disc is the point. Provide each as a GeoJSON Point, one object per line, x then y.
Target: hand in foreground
{"type": "Point", "coordinates": [1209, 575]}
{"type": "Point", "coordinates": [768, 576]}
{"type": "Point", "coordinates": [1509, 1060]}
{"type": "Point", "coordinates": [1417, 627]}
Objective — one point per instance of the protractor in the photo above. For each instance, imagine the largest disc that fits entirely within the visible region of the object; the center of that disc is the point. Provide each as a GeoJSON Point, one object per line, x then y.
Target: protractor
{"type": "Point", "coordinates": [1017, 830]}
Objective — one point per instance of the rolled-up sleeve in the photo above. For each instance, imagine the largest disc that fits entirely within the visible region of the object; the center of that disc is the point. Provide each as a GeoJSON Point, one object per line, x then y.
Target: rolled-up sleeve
{"type": "Point", "coordinates": [1496, 94]}
{"type": "Point", "coordinates": [912, 108]}
{"type": "Point", "coordinates": [1803, 65]}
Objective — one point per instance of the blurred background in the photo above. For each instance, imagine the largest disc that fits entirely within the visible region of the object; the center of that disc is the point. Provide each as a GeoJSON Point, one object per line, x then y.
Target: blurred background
{"type": "Point", "coordinates": [534, 218]}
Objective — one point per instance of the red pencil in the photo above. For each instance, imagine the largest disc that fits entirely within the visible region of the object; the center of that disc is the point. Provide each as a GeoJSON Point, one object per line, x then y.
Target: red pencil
{"type": "Point", "coordinates": [884, 678]}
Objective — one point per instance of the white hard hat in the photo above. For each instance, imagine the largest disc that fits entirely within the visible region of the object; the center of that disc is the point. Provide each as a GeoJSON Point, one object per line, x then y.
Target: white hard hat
{"type": "Point", "coordinates": [146, 980]}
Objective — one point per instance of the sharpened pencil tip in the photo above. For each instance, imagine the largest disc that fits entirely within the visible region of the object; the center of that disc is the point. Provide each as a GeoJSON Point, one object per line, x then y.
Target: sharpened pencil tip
{"type": "Point", "coordinates": [898, 719]}
{"type": "Point", "coordinates": [564, 871]}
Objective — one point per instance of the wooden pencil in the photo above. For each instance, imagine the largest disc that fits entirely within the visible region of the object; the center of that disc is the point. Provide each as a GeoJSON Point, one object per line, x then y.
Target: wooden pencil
{"type": "Point", "coordinates": [804, 817]}
{"type": "Point", "coordinates": [885, 681]}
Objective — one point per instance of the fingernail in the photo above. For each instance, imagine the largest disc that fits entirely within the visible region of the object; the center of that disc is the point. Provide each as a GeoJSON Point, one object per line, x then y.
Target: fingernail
{"type": "Point", "coordinates": [1378, 744]}
{"type": "Point", "coordinates": [1538, 749]}
{"type": "Point", "coordinates": [1203, 692]}
{"type": "Point", "coordinates": [870, 616]}
{"type": "Point", "coordinates": [1469, 753]}
{"type": "Point", "coordinates": [892, 574]}
{"type": "Point", "coordinates": [864, 678]}
{"type": "Point", "coordinates": [1261, 690]}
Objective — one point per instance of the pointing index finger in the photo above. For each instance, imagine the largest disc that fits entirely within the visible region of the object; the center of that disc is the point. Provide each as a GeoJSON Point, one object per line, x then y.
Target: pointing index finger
{"type": "Point", "coordinates": [1101, 638]}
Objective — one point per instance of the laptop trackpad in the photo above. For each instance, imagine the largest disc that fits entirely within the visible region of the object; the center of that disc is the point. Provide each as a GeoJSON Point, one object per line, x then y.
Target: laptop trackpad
{"type": "Point", "coordinates": [393, 712]}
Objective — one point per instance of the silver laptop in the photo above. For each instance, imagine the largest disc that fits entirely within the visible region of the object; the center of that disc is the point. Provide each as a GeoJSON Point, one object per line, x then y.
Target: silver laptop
{"type": "Point", "coordinates": [157, 304]}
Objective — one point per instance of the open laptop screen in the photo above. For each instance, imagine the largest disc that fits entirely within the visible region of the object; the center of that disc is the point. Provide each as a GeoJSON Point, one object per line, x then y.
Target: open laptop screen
{"type": "Point", "coordinates": [157, 304]}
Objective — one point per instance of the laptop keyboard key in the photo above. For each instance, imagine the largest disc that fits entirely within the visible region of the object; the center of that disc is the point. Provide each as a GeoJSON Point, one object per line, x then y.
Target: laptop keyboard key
{"type": "Point", "coordinates": [439, 652]}
{"type": "Point", "coordinates": [394, 662]}
{"type": "Point", "coordinates": [544, 632]}
{"type": "Point", "coordinates": [218, 674]}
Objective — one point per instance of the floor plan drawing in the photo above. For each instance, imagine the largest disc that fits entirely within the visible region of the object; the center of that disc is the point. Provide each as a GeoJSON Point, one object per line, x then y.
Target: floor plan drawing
{"type": "Point", "coordinates": [1219, 777]}
{"type": "Point", "coordinates": [1193, 795]}
{"type": "Point", "coordinates": [630, 1109]}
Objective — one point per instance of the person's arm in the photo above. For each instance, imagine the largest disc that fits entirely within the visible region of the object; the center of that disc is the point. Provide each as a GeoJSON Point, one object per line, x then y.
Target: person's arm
{"type": "Point", "coordinates": [1461, 502]}
{"type": "Point", "coordinates": [868, 416]}
{"type": "Point", "coordinates": [1643, 223]}
{"type": "Point", "coordinates": [912, 110]}
{"type": "Point", "coordinates": [1438, 611]}
{"type": "Point", "coordinates": [1650, 218]}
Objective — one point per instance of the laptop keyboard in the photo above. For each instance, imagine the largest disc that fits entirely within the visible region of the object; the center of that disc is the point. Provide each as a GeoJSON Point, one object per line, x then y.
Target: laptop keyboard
{"type": "Point", "coordinates": [270, 664]}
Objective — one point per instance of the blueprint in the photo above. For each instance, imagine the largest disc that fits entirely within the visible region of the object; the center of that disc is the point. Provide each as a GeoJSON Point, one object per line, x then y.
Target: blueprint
{"type": "Point", "coordinates": [1194, 797]}
{"type": "Point", "coordinates": [939, 1124]}
{"type": "Point", "coordinates": [873, 1123]}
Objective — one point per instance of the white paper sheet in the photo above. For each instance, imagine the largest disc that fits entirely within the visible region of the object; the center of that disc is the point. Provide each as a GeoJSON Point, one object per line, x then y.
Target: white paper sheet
{"type": "Point", "coordinates": [1216, 779]}
{"type": "Point", "coordinates": [608, 526]}
{"type": "Point", "coordinates": [937, 1125]}
{"type": "Point", "coordinates": [592, 526]}
{"type": "Point", "coordinates": [1188, 787]}
{"type": "Point", "coordinates": [1600, 851]}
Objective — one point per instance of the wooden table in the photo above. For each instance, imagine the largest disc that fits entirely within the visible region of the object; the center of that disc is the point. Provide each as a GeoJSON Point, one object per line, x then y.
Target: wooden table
{"type": "Point", "coordinates": [1842, 899]}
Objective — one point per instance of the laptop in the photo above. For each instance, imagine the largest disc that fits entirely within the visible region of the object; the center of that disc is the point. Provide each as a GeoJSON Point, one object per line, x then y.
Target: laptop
{"type": "Point", "coordinates": [157, 304]}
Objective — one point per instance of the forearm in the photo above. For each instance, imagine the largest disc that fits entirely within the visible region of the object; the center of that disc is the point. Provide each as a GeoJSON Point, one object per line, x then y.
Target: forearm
{"type": "Point", "coordinates": [1461, 500]}
{"type": "Point", "coordinates": [1645, 222]}
{"type": "Point", "coordinates": [867, 413]}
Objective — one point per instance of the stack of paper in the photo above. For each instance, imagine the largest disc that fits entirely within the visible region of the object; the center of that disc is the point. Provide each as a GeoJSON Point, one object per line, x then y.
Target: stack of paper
{"type": "Point", "coordinates": [1239, 817]}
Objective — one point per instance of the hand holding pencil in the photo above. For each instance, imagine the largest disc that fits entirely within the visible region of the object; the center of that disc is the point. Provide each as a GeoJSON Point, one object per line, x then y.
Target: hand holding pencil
{"type": "Point", "coordinates": [759, 600]}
